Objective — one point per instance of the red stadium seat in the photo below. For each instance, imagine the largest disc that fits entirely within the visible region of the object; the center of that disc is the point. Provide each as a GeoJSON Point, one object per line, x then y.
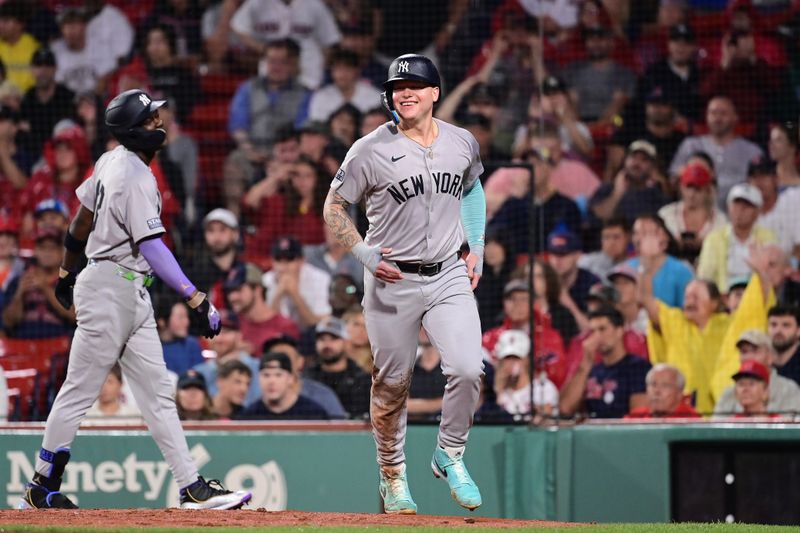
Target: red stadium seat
{"type": "Point", "coordinates": [20, 392]}
{"type": "Point", "coordinates": [36, 353]}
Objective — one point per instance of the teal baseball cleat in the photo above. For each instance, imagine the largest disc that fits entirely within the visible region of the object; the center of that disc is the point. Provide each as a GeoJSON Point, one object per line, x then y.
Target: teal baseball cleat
{"type": "Point", "coordinates": [449, 465]}
{"type": "Point", "coordinates": [394, 491]}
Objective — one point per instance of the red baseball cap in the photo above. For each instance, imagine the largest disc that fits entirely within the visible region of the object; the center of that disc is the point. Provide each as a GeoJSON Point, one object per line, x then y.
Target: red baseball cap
{"type": "Point", "coordinates": [696, 175]}
{"type": "Point", "coordinates": [750, 368]}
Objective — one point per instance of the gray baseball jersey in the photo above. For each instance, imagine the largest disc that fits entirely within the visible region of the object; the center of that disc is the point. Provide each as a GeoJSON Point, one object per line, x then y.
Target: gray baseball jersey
{"type": "Point", "coordinates": [115, 314]}
{"type": "Point", "coordinates": [123, 195]}
{"type": "Point", "coordinates": [413, 193]}
{"type": "Point", "coordinates": [413, 197]}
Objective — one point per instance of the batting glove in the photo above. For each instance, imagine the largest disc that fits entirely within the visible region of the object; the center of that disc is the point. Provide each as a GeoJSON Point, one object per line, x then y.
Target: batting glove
{"type": "Point", "coordinates": [66, 282]}
{"type": "Point", "coordinates": [211, 321]}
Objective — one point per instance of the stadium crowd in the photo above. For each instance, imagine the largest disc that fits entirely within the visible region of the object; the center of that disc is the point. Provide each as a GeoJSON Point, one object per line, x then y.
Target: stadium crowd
{"type": "Point", "coordinates": [651, 145]}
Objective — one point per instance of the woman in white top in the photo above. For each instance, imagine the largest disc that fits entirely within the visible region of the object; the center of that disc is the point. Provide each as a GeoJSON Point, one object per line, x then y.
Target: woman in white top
{"type": "Point", "coordinates": [110, 406]}
{"type": "Point", "coordinates": [695, 215]}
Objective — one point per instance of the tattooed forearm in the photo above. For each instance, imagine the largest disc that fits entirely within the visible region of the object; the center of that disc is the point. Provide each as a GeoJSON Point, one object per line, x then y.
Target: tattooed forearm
{"type": "Point", "coordinates": [335, 214]}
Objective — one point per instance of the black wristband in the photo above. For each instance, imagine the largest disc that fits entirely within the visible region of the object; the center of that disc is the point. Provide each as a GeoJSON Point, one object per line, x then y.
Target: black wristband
{"type": "Point", "coordinates": [72, 244]}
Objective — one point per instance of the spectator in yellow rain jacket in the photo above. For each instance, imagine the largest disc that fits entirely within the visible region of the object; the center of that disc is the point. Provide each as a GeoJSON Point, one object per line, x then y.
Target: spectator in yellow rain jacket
{"type": "Point", "coordinates": [700, 339]}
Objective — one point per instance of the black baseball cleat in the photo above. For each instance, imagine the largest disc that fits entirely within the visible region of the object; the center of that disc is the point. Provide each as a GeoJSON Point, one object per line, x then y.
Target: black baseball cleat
{"type": "Point", "coordinates": [211, 494]}
{"type": "Point", "coordinates": [38, 497]}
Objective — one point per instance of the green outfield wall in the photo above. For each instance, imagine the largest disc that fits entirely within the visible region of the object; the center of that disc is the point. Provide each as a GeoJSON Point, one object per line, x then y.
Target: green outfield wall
{"type": "Point", "coordinates": [601, 473]}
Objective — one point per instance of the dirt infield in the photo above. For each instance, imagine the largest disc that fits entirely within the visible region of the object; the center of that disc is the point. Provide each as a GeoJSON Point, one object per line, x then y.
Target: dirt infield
{"type": "Point", "coordinates": [167, 518]}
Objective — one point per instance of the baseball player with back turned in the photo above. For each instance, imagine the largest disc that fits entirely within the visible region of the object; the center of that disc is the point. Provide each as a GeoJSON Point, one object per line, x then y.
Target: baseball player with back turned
{"type": "Point", "coordinates": [118, 227]}
{"type": "Point", "coordinates": [420, 179]}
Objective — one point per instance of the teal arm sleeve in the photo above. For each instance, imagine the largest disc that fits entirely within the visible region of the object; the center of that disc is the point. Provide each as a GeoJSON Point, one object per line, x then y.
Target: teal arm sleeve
{"type": "Point", "coordinates": [473, 218]}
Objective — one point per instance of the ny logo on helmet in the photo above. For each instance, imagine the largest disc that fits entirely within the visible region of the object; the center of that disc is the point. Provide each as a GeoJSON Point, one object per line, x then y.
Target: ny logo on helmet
{"type": "Point", "coordinates": [144, 100]}
{"type": "Point", "coordinates": [402, 66]}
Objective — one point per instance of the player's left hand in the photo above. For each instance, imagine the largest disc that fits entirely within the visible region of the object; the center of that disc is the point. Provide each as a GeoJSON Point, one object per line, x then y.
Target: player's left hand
{"type": "Point", "coordinates": [472, 273]}
{"type": "Point", "coordinates": [211, 321]}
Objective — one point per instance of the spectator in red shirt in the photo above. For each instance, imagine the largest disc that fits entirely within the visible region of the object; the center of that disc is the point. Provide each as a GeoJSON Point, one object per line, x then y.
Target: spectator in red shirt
{"type": "Point", "coordinates": [67, 163]}
{"type": "Point", "coordinates": [757, 89]}
{"type": "Point", "coordinates": [257, 321]}
{"type": "Point", "coordinates": [549, 347]}
{"type": "Point", "coordinates": [33, 311]}
{"type": "Point", "coordinates": [752, 388]}
{"type": "Point", "coordinates": [664, 395]}
{"type": "Point", "coordinates": [305, 196]}
{"type": "Point", "coordinates": [264, 203]}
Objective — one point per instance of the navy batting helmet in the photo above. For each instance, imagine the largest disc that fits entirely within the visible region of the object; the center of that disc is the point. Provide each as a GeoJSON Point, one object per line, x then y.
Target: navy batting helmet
{"type": "Point", "coordinates": [125, 115]}
{"type": "Point", "coordinates": [409, 67]}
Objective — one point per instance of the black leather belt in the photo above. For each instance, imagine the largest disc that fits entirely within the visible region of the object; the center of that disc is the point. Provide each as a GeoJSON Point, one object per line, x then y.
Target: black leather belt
{"type": "Point", "coordinates": [423, 269]}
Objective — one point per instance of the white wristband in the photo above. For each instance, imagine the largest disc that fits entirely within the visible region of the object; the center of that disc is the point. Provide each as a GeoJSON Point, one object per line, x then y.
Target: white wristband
{"type": "Point", "coordinates": [369, 256]}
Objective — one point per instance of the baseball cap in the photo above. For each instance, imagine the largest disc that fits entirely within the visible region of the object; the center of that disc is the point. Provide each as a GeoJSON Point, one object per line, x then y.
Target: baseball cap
{"type": "Point", "coordinates": [243, 273]}
{"type": "Point", "coordinates": [190, 379]}
{"type": "Point", "coordinates": [333, 326]}
{"type": "Point", "coordinates": [625, 270]}
{"type": "Point", "coordinates": [72, 14]}
{"type": "Point", "coordinates": [476, 119]}
{"type": "Point", "coordinates": [752, 369]}
{"type": "Point", "coordinates": [515, 285]}
{"type": "Point", "coordinates": [483, 93]}
{"type": "Point", "coordinates": [696, 175]}
{"type": "Point", "coordinates": [553, 85]}
{"type": "Point", "coordinates": [287, 248]}
{"type": "Point", "coordinates": [563, 242]}
{"type": "Point", "coordinates": [7, 113]}
{"type": "Point", "coordinates": [657, 96]}
{"type": "Point", "coordinates": [51, 204]}
{"type": "Point", "coordinates": [276, 360]}
{"type": "Point", "coordinates": [646, 147]}
{"type": "Point", "coordinates": [278, 339]}
{"type": "Point", "coordinates": [49, 233]}
{"type": "Point", "coordinates": [597, 31]}
{"type": "Point", "coordinates": [603, 293]}
{"type": "Point", "coordinates": [748, 193]}
{"type": "Point", "coordinates": [315, 126]}
{"type": "Point", "coordinates": [512, 342]}
{"type": "Point", "coordinates": [738, 282]}
{"type": "Point", "coordinates": [221, 215]}
{"type": "Point", "coordinates": [761, 166]}
{"type": "Point", "coordinates": [757, 338]}
{"type": "Point", "coordinates": [43, 57]}
{"type": "Point", "coordinates": [682, 32]}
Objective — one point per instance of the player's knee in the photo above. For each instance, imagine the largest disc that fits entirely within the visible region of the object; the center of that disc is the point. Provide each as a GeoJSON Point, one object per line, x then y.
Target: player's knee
{"type": "Point", "coordinates": [466, 371]}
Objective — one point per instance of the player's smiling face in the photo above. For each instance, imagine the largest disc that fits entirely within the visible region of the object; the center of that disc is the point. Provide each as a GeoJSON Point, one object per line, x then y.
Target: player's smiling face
{"type": "Point", "coordinates": [413, 99]}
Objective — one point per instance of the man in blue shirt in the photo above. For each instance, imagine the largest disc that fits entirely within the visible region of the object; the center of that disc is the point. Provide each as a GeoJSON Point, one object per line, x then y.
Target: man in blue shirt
{"type": "Point", "coordinates": [279, 398]}
{"type": "Point", "coordinates": [672, 275]}
{"type": "Point", "coordinates": [616, 385]}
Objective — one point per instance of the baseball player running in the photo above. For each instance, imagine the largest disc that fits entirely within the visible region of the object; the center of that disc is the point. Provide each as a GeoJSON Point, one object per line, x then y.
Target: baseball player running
{"type": "Point", "coordinates": [419, 177]}
{"type": "Point", "coordinates": [118, 226]}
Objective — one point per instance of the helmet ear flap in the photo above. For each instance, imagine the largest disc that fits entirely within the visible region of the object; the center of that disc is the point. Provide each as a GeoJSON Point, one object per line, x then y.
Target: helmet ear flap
{"type": "Point", "coordinates": [386, 100]}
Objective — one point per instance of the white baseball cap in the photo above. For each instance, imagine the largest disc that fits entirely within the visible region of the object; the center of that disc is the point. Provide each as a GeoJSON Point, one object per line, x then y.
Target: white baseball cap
{"type": "Point", "coordinates": [221, 215]}
{"type": "Point", "coordinates": [748, 193]}
{"type": "Point", "coordinates": [512, 342]}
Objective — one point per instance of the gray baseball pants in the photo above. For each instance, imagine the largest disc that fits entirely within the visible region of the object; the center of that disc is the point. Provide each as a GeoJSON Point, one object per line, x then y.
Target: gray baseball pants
{"type": "Point", "coordinates": [445, 306]}
{"type": "Point", "coordinates": [115, 322]}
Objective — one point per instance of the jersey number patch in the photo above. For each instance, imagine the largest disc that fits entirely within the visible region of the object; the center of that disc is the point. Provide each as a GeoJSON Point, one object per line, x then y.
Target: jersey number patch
{"type": "Point", "coordinates": [99, 195]}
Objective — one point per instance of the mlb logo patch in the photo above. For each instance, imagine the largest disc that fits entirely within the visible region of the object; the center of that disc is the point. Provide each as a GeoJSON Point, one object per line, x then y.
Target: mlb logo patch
{"type": "Point", "coordinates": [339, 175]}
{"type": "Point", "coordinates": [154, 223]}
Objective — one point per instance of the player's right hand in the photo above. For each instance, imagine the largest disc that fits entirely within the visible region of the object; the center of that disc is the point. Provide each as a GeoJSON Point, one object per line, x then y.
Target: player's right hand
{"type": "Point", "coordinates": [66, 282]}
{"type": "Point", "coordinates": [209, 317]}
{"type": "Point", "coordinates": [385, 271]}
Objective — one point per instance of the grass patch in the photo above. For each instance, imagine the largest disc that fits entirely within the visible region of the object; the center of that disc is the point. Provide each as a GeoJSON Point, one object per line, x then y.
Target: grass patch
{"type": "Point", "coordinates": [588, 528]}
